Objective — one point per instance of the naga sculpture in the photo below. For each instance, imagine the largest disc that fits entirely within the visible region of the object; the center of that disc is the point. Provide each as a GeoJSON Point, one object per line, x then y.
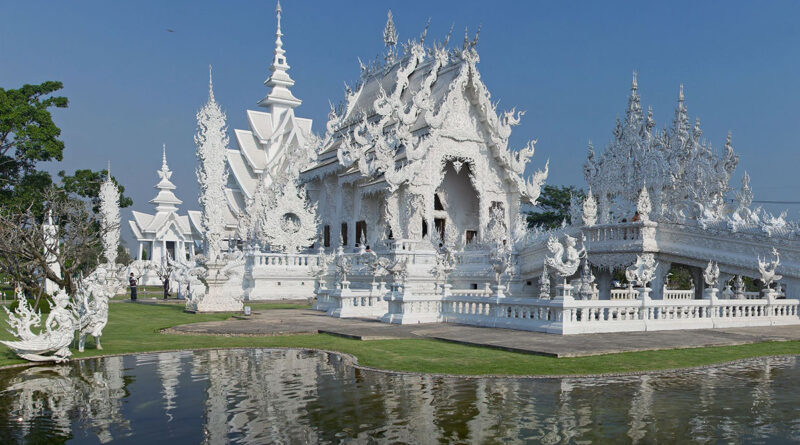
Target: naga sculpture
{"type": "Point", "coordinates": [52, 343]}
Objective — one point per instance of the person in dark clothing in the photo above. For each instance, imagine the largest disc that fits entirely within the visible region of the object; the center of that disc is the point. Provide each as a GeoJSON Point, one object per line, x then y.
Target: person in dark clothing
{"type": "Point", "coordinates": [132, 282]}
{"type": "Point", "coordinates": [166, 287]}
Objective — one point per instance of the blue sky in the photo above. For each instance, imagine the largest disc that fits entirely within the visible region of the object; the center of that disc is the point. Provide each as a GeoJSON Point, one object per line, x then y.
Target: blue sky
{"type": "Point", "coordinates": [133, 85]}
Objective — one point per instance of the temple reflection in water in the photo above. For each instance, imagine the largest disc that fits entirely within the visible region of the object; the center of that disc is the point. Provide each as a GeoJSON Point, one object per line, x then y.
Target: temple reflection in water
{"type": "Point", "coordinates": [258, 396]}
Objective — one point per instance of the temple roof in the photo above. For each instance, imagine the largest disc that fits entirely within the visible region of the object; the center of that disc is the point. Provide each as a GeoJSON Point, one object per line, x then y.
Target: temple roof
{"type": "Point", "coordinates": [165, 200]}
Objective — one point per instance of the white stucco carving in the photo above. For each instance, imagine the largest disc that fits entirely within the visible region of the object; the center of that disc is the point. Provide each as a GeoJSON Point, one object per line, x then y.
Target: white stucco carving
{"type": "Point", "coordinates": [110, 217]}
{"type": "Point", "coordinates": [53, 340]}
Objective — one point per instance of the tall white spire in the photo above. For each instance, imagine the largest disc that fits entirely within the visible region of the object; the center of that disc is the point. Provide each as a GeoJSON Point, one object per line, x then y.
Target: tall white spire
{"type": "Point", "coordinates": [165, 200]}
{"type": "Point", "coordinates": [279, 97]}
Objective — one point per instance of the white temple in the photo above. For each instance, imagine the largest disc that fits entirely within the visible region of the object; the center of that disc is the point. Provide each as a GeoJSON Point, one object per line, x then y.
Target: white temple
{"type": "Point", "coordinates": [165, 234]}
{"type": "Point", "coordinates": [408, 210]}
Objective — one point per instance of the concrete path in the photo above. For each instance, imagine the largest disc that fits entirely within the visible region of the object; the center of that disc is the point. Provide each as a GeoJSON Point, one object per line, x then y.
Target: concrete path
{"type": "Point", "coordinates": [294, 321]}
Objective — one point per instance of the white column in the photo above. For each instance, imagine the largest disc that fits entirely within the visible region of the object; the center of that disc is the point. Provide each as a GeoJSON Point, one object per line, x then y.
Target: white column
{"type": "Point", "coordinates": [139, 256]}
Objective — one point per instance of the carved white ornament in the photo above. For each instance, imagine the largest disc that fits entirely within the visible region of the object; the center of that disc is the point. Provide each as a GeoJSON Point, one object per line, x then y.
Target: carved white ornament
{"type": "Point", "coordinates": [110, 217]}
{"type": "Point", "coordinates": [767, 269]}
{"type": "Point", "coordinates": [52, 342]}
{"type": "Point", "coordinates": [212, 141]}
{"type": "Point", "coordinates": [589, 214]}
{"type": "Point", "coordinates": [564, 259]}
{"type": "Point", "coordinates": [711, 274]}
{"type": "Point", "coordinates": [290, 224]}
{"type": "Point", "coordinates": [643, 271]}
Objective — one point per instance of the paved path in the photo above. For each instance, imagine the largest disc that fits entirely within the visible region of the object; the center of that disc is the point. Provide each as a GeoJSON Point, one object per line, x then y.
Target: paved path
{"type": "Point", "coordinates": [293, 321]}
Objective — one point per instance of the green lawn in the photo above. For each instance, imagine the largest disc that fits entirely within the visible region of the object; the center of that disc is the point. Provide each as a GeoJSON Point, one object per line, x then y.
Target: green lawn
{"type": "Point", "coordinates": [134, 328]}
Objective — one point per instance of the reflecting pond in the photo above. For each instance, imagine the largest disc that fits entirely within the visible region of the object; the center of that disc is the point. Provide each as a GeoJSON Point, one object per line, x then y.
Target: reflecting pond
{"type": "Point", "coordinates": [277, 396]}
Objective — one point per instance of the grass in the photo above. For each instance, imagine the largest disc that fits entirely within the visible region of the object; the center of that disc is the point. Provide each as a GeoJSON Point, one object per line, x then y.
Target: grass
{"type": "Point", "coordinates": [135, 328]}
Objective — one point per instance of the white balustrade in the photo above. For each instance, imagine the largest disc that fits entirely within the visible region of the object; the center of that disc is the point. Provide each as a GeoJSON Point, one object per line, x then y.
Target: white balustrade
{"type": "Point", "coordinates": [677, 294]}
{"type": "Point", "coordinates": [624, 294]}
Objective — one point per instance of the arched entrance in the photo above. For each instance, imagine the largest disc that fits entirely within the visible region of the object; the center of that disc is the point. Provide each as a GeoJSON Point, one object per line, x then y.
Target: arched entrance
{"type": "Point", "coordinates": [456, 205]}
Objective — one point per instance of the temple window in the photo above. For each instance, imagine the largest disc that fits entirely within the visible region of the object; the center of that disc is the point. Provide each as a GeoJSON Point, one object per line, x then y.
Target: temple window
{"type": "Point", "coordinates": [344, 234]}
{"type": "Point", "coordinates": [361, 232]}
{"type": "Point", "coordinates": [438, 224]}
{"type": "Point", "coordinates": [471, 235]}
{"type": "Point", "coordinates": [437, 202]}
{"type": "Point", "coordinates": [326, 236]}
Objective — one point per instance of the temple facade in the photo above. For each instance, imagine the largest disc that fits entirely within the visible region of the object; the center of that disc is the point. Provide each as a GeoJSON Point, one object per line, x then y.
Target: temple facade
{"type": "Point", "coordinates": [165, 233]}
{"type": "Point", "coordinates": [409, 210]}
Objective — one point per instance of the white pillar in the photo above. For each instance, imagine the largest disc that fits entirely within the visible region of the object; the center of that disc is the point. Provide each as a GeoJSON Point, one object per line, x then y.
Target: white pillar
{"type": "Point", "coordinates": [139, 257]}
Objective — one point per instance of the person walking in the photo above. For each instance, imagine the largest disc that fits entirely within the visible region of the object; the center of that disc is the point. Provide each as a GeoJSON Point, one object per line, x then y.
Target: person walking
{"type": "Point", "coordinates": [132, 282]}
{"type": "Point", "coordinates": [166, 287]}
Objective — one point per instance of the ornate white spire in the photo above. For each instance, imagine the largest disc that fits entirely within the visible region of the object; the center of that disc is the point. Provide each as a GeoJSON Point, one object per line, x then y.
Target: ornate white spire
{"type": "Point", "coordinates": [110, 217]}
{"type": "Point", "coordinates": [279, 81]}
{"type": "Point", "coordinates": [390, 32]}
{"type": "Point", "coordinates": [212, 142]}
{"type": "Point", "coordinates": [165, 200]}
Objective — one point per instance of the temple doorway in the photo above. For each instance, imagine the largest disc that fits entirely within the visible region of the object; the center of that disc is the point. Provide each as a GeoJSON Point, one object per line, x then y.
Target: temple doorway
{"type": "Point", "coordinates": [456, 204]}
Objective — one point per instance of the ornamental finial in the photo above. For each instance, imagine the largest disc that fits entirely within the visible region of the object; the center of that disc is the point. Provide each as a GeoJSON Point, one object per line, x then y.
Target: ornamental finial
{"type": "Point", "coordinates": [210, 84]}
{"type": "Point", "coordinates": [389, 31]}
{"type": "Point", "coordinates": [164, 166]}
{"type": "Point", "coordinates": [634, 82]}
{"type": "Point", "coordinates": [108, 170]}
{"type": "Point", "coordinates": [680, 94]}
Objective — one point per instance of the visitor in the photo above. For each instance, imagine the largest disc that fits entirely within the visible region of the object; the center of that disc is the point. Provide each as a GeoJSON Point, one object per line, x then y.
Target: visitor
{"type": "Point", "coordinates": [132, 282]}
{"type": "Point", "coordinates": [166, 287]}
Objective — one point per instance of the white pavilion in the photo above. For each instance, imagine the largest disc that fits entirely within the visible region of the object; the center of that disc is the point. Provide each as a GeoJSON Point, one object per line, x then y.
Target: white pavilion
{"type": "Point", "coordinates": [165, 233]}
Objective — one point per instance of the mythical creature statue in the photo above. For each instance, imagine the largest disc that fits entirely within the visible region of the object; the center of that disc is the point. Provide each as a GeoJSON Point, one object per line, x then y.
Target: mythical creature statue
{"type": "Point", "coordinates": [92, 304]}
{"type": "Point", "coordinates": [711, 274]}
{"type": "Point", "coordinates": [587, 289]}
{"type": "Point", "coordinates": [55, 338]}
{"type": "Point", "coordinates": [343, 264]}
{"type": "Point", "coordinates": [767, 269]}
{"type": "Point", "coordinates": [564, 259]}
{"type": "Point", "coordinates": [643, 271]}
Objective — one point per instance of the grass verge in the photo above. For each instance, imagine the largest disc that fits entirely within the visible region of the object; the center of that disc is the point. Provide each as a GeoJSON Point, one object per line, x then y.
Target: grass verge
{"type": "Point", "coordinates": [135, 328]}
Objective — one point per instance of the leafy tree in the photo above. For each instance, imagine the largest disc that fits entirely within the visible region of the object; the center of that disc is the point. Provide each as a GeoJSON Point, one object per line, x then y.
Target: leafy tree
{"type": "Point", "coordinates": [28, 135]}
{"type": "Point", "coordinates": [553, 206]}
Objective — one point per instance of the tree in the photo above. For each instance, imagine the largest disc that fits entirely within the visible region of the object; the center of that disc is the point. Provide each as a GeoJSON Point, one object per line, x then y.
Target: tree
{"type": "Point", "coordinates": [29, 256]}
{"type": "Point", "coordinates": [28, 135]}
{"type": "Point", "coordinates": [552, 208]}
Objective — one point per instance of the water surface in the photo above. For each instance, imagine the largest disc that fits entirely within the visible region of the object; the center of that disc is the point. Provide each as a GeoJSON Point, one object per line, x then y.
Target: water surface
{"type": "Point", "coordinates": [267, 396]}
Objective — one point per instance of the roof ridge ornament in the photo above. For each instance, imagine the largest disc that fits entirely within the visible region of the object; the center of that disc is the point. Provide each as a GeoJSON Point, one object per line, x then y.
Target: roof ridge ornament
{"type": "Point", "coordinates": [390, 37]}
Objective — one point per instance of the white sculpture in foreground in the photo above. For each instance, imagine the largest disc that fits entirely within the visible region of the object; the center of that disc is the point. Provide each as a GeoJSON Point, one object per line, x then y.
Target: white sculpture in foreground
{"type": "Point", "coordinates": [53, 340]}
{"type": "Point", "coordinates": [767, 269]}
{"type": "Point", "coordinates": [92, 304]}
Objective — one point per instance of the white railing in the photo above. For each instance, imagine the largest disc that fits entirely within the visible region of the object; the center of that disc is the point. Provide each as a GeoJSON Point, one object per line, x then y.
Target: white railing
{"type": "Point", "coordinates": [470, 292]}
{"type": "Point", "coordinates": [590, 316]}
{"type": "Point", "coordinates": [677, 294]}
{"type": "Point", "coordinates": [271, 259]}
{"type": "Point", "coordinates": [616, 232]}
{"type": "Point", "coordinates": [623, 294]}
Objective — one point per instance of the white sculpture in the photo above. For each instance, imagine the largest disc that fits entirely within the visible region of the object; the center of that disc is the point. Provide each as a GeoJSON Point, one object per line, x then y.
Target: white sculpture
{"type": "Point", "coordinates": [711, 274]}
{"type": "Point", "coordinates": [343, 264]}
{"type": "Point", "coordinates": [92, 297]}
{"type": "Point", "coordinates": [110, 217]}
{"type": "Point", "coordinates": [767, 269]}
{"type": "Point", "coordinates": [643, 271]}
{"type": "Point", "coordinates": [589, 215]}
{"type": "Point", "coordinates": [212, 141]}
{"type": "Point", "coordinates": [564, 259]}
{"type": "Point", "coordinates": [544, 283]}
{"type": "Point", "coordinates": [643, 206]}
{"type": "Point", "coordinates": [52, 342]}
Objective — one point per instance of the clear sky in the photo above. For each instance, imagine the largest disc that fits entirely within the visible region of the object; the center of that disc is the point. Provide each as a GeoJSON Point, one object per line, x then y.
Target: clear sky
{"type": "Point", "coordinates": [133, 84]}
